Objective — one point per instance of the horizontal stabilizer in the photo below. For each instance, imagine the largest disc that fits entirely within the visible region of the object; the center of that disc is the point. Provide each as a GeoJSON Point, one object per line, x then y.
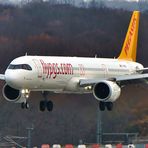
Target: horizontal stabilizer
{"type": "Point", "coordinates": [142, 70]}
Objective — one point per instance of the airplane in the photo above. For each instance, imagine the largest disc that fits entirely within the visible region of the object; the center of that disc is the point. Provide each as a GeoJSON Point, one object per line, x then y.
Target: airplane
{"type": "Point", "coordinates": [104, 77]}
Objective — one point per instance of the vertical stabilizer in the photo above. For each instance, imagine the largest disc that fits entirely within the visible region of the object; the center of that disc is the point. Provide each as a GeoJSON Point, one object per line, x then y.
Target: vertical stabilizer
{"type": "Point", "coordinates": [129, 49]}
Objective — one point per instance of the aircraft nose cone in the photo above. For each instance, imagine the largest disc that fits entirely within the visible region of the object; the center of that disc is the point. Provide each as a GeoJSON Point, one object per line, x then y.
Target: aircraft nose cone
{"type": "Point", "coordinates": [16, 79]}
{"type": "Point", "coordinates": [11, 78]}
{"type": "Point", "coordinates": [8, 76]}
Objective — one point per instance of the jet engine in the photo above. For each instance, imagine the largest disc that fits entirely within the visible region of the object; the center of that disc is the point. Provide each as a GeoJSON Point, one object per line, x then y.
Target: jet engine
{"type": "Point", "coordinates": [106, 91]}
{"type": "Point", "coordinates": [14, 95]}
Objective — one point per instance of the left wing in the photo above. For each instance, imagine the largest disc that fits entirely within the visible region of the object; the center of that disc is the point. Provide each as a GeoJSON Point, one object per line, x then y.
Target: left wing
{"type": "Point", "coordinates": [131, 78]}
{"type": "Point", "coordinates": [2, 77]}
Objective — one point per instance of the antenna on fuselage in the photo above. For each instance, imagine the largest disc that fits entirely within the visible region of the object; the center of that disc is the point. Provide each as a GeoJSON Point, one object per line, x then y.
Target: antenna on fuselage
{"type": "Point", "coordinates": [96, 55]}
{"type": "Point", "coordinates": [26, 54]}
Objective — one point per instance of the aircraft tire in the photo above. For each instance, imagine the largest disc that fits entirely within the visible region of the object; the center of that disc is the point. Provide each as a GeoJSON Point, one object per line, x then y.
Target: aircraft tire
{"type": "Point", "coordinates": [27, 105]}
{"type": "Point", "coordinates": [42, 106]}
{"type": "Point", "coordinates": [109, 106]}
{"type": "Point", "coordinates": [49, 106]}
{"type": "Point", "coordinates": [102, 106]}
{"type": "Point", "coordinates": [23, 105]}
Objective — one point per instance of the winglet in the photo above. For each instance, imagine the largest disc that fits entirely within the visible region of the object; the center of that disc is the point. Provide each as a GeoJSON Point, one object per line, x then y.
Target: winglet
{"type": "Point", "coordinates": [129, 49]}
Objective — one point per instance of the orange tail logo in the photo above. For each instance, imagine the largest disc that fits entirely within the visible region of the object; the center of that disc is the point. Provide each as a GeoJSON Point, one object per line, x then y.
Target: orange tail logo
{"type": "Point", "coordinates": [129, 49]}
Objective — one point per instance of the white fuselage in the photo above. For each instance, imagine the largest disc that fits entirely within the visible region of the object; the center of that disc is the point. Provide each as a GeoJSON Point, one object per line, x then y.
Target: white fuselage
{"type": "Point", "coordinates": [62, 74]}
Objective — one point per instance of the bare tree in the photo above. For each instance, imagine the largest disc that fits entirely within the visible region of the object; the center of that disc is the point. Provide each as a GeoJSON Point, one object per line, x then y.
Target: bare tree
{"type": "Point", "coordinates": [93, 4]}
{"type": "Point", "coordinates": [83, 4]}
{"type": "Point", "coordinates": [101, 4]}
{"type": "Point", "coordinates": [143, 5]}
{"type": "Point", "coordinates": [53, 2]}
{"type": "Point", "coordinates": [71, 2]}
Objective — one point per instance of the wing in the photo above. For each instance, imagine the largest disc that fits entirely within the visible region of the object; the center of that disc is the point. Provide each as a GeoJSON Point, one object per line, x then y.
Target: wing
{"type": "Point", "coordinates": [134, 78]}
{"type": "Point", "coordinates": [142, 70]}
{"type": "Point", "coordinates": [2, 77]}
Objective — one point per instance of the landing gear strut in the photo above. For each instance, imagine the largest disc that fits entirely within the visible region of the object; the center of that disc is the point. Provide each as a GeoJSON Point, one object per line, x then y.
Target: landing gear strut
{"type": "Point", "coordinates": [108, 105]}
{"type": "Point", "coordinates": [45, 103]}
{"type": "Point", "coordinates": [25, 94]}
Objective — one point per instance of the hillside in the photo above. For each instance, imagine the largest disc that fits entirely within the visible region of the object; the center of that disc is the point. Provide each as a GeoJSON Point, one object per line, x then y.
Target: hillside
{"type": "Point", "coordinates": [43, 29]}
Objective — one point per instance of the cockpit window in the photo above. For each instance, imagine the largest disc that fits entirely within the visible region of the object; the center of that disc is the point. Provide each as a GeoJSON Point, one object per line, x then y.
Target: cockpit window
{"type": "Point", "coordinates": [20, 66]}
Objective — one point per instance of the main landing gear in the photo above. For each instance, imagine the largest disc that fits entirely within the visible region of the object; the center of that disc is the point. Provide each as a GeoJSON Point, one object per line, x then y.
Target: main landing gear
{"type": "Point", "coordinates": [108, 105]}
{"type": "Point", "coordinates": [45, 103]}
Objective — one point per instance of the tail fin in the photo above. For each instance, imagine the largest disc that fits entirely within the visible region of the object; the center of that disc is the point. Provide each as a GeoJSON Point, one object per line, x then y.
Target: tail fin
{"type": "Point", "coordinates": [129, 49]}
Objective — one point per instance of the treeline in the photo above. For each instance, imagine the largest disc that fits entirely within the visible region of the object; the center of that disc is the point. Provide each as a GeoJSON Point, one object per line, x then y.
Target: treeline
{"type": "Point", "coordinates": [44, 29]}
{"type": "Point", "coordinates": [141, 5]}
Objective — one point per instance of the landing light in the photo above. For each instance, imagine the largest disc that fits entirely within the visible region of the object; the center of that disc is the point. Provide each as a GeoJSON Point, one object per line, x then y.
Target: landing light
{"type": "Point", "coordinates": [27, 96]}
{"type": "Point", "coordinates": [25, 91]}
{"type": "Point", "coordinates": [88, 88]}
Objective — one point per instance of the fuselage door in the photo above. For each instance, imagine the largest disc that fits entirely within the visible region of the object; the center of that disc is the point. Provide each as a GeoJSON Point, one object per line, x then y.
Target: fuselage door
{"type": "Point", "coordinates": [105, 70]}
{"type": "Point", "coordinates": [38, 67]}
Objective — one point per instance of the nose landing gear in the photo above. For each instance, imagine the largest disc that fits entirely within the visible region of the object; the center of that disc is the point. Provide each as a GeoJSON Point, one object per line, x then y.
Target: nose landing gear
{"type": "Point", "coordinates": [25, 95]}
{"type": "Point", "coordinates": [25, 105]}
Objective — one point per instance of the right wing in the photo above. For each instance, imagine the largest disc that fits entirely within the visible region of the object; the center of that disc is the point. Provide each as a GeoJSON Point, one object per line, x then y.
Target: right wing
{"type": "Point", "coordinates": [134, 78]}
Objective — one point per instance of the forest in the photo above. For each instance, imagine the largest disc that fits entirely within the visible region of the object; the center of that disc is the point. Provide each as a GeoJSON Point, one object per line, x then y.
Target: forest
{"type": "Point", "coordinates": [65, 30]}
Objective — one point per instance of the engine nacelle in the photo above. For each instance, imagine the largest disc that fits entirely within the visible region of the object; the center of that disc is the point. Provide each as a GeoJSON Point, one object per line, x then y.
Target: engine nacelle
{"type": "Point", "coordinates": [106, 91]}
{"type": "Point", "coordinates": [13, 95]}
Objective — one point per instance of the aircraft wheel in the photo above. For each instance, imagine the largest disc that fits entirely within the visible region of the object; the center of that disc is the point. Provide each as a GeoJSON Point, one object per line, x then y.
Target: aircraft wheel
{"type": "Point", "coordinates": [42, 106]}
{"type": "Point", "coordinates": [49, 106]}
{"type": "Point", "coordinates": [109, 106]}
{"type": "Point", "coordinates": [25, 105]}
{"type": "Point", "coordinates": [102, 106]}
